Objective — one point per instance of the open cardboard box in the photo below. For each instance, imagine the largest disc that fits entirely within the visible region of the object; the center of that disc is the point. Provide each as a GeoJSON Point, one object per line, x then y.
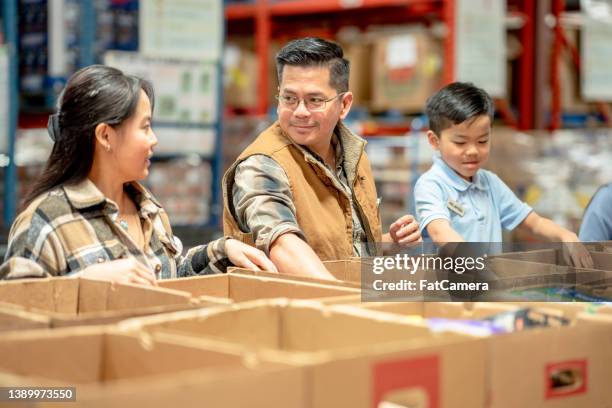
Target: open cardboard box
{"type": "Point", "coordinates": [245, 287]}
{"type": "Point", "coordinates": [352, 358]}
{"type": "Point", "coordinates": [110, 368]}
{"type": "Point", "coordinates": [566, 366]}
{"type": "Point", "coordinates": [307, 279]}
{"type": "Point", "coordinates": [13, 317]}
{"type": "Point", "coordinates": [547, 268]}
{"type": "Point", "coordinates": [77, 301]}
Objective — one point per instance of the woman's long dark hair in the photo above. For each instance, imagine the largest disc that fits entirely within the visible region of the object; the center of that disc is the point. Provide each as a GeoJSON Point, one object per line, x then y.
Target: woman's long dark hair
{"type": "Point", "coordinates": [93, 95]}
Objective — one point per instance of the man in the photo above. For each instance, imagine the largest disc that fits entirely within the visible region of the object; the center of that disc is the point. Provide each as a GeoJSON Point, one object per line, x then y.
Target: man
{"type": "Point", "coordinates": [303, 191]}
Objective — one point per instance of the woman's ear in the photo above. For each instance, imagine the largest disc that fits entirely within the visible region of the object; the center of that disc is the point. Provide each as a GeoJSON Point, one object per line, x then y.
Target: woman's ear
{"type": "Point", "coordinates": [103, 137]}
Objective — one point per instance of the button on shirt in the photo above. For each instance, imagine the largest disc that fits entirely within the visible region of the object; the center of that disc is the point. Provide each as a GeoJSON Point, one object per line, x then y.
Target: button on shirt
{"type": "Point", "coordinates": [477, 211]}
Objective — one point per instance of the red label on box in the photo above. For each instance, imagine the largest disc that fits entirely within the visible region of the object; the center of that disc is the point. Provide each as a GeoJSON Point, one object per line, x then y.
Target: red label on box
{"type": "Point", "coordinates": [415, 381]}
{"type": "Point", "coordinates": [566, 378]}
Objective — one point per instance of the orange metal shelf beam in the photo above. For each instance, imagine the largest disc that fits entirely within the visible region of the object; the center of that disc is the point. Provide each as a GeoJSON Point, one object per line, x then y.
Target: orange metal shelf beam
{"type": "Point", "coordinates": [263, 11]}
{"type": "Point", "coordinates": [285, 8]}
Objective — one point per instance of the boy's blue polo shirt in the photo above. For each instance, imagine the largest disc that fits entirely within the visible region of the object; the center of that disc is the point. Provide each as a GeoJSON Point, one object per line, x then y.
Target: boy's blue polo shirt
{"type": "Point", "coordinates": [477, 211]}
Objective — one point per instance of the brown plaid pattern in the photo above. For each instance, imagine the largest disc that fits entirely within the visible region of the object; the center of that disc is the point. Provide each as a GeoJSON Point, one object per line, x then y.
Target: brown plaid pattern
{"type": "Point", "coordinates": [74, 226]}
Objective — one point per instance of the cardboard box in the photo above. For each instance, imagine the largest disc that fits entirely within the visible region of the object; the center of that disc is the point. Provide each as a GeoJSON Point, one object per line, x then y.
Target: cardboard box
{"type": "Point", "coordinates": [13, 317]}
{"type": "Point", "coordinates": [109, 368]}
{"type": "Point", "coordinates": [406, 70]}
{"type": "Point", "coordinates": [241, 73]}
{"type": "Point", "coordinates": [352, 358]}
{"type": "Point", "coordinates": [547, 268]}
{"type": "Point", "coordinates": [308, 279]}
{"type": "Point", "coordinates": [69, 302]}
{"type": "Point", "coordinates": [243, 287]}
{"type": "Point", "coordinates": [548, 367]}
{"type": "Point", "coordinates": [358, 50]}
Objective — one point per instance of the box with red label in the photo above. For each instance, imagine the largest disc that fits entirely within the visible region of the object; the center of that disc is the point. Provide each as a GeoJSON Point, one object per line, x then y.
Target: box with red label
{"type": "Point", "coordinates": [558, 366]}
{"type": "Point", "coordinates": [357, 358]}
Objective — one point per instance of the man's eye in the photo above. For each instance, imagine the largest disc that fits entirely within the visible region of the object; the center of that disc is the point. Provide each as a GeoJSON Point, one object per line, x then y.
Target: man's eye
{"type": "Point", "coordinates": [316, 100]}
{"type": "Point", "coordinates": [289, 99]}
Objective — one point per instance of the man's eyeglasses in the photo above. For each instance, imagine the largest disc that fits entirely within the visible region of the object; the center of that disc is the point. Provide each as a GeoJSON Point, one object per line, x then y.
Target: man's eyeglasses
{"type": "Point", "coordinates": [312, 103]}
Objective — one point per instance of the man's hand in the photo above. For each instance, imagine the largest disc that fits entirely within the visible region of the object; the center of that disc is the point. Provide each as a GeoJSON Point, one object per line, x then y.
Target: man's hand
{"type": "Point", "coordinates": [405, 230]}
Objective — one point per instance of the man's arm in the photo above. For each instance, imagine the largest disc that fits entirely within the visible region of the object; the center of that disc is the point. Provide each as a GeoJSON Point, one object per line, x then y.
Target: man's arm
{"type": "Point", "coordinates": [287, 249]}
{"type": "Point", "coordinates": [264, 206]}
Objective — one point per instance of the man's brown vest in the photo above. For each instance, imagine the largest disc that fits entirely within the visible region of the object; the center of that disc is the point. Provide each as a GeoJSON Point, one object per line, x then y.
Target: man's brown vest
{"type": "Point", "coordinates": [323, 211]}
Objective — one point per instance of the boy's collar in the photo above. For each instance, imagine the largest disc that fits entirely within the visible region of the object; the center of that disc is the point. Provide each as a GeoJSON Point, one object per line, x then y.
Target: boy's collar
{"type": "Point", "coordinates": [455, 180]}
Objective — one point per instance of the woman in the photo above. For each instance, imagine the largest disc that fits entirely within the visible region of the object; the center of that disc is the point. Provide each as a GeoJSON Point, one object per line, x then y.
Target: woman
{"type": "Point", "coordinates": [87, 215]}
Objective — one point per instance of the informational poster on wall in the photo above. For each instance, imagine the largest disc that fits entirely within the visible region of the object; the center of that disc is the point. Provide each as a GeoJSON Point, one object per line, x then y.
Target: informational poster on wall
{"type": "Point", "coordinates": [185, 91]}
{"type": "Point", "coordinates": [480, 44]}
{"type": "Point", "coordinates": [183, 29]}
{"type": "Point", "coordinates": [596, 50]}
{"type": "Point", "coordinates": [4, 99]}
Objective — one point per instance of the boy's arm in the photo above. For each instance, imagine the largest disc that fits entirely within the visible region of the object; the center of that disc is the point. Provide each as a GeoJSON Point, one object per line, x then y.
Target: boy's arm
{"type": "Point", "coordinates": [545, 228]}
{"type": "Point", "coordinates": [441, 232]}
{"type": "Point", "coordinates": [433, 214]}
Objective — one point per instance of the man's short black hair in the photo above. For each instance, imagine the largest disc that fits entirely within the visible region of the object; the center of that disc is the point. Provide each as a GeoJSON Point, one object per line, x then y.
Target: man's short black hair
{"type": "Point", "coordinates": [456, 103]}
{"type": "Point", "coordinates": [314, 52]}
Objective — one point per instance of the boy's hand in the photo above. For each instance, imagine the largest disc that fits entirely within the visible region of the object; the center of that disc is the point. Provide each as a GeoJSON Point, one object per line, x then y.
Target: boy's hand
{"type": "Point", "coordinates": [405, 230]}
{"type": "Point", "coordinates": [576, 254]}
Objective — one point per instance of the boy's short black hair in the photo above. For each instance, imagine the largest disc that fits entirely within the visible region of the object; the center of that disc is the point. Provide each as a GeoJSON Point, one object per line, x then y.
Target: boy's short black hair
{"type": "Point", "coordinates": [312, 52]}
{"type": "Point", "coordinates": [456, 103]}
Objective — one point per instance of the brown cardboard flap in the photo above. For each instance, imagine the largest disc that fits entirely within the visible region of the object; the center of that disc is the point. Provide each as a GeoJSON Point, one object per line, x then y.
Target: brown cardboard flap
{"type": "Point", "coordinates": [143, 355]}
{"type": "Point", "coordinates": [13, 317]}
{"type": "Point", "coordinates": [446, 310]}
{"type": "Point", "coordinates": [110, 368]}
{"type": "Point", "coordinates": [548, 256]}
{"type": "Point", "coordinates": [265, 274]}
{"type": "Point", "coordinates": [312, 329]}
{"type": "Point", "coordinates": [130, 296]}
{"type": "Point", "coordinates": [285, 325]}
{"type": "Point", "coordinates": [345, 270]}
{"type": "Point", "coordinates": [50, 294]}
{"type": "Point", "coordinates": [72, 356]}
{"type": "Point", "coordinates": [602, 260]}
{"type": "Point", "coordinates": [211, 285]}
{"type": "Point", "coordinates": [244, 288]}
{"type": "Point", "coordinates": [255, 327]}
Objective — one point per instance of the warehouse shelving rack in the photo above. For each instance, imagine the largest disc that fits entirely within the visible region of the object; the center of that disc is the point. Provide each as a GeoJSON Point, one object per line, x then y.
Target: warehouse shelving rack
{"type": "Point", "coordinates": [560, 42]}
{"type": "Point", "coordinates": [265, 19]}
{"type": "Point", "coordinates": [87, 38]}
{"type": "Point", "coordinates": [9, 18]}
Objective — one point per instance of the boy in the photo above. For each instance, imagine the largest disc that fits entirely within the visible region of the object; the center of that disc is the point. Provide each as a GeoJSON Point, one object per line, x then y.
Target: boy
{"type": "Point", "coordinates": [458, 201]}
